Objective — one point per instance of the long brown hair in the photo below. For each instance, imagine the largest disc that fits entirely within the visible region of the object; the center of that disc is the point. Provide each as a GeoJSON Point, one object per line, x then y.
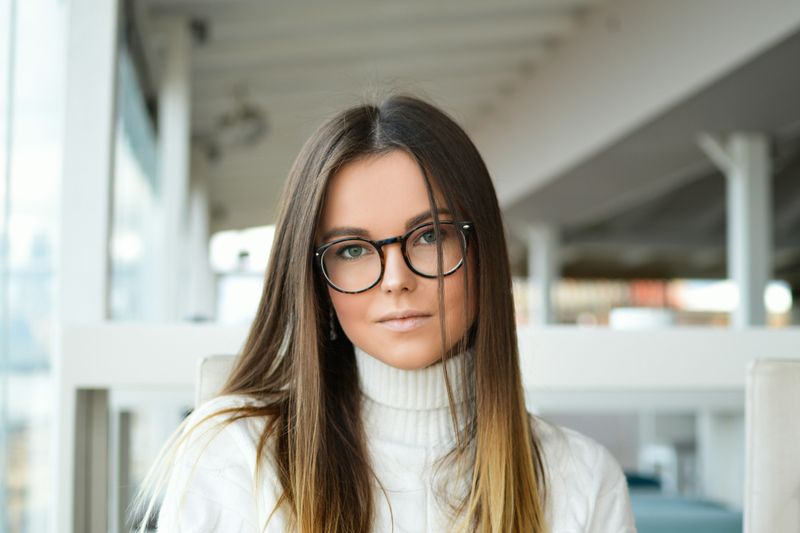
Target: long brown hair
{"type": "Point", "coordinates": [307, 384]}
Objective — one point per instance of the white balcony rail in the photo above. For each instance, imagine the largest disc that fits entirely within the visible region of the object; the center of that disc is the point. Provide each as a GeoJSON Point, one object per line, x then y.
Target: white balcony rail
{"type": "Point", "coordinates": [561, 365]}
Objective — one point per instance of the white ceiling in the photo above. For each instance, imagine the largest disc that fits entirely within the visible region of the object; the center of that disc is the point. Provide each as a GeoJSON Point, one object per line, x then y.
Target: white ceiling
{"type": "Point", "coordinates": [301, 62]}
{"type": "Point", "coordinates": [656, 196]}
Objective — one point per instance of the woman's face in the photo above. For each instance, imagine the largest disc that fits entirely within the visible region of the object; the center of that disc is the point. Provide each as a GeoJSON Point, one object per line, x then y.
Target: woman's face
{"type": "Point", "coordinates": [380, 194]}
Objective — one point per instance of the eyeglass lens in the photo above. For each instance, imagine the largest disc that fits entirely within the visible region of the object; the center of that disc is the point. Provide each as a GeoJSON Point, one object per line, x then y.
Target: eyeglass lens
{"type": "Point", "coordinates": [355, 265]}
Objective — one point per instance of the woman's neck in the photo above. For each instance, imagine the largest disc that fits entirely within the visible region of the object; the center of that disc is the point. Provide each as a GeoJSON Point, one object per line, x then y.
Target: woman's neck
{"type": "Point", "coordinates": [411, 406]}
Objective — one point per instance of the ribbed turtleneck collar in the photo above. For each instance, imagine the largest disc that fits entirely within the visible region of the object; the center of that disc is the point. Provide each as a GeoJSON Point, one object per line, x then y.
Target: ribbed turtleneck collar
{"type": "Point", "coordinates": [409, 406]}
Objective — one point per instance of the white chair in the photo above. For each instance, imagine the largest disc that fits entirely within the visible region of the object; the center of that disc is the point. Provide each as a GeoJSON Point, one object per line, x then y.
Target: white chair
{"type": "Point", "coordinates": [212, 371]}
{"type": "Point", "coordinates": [772, 485]}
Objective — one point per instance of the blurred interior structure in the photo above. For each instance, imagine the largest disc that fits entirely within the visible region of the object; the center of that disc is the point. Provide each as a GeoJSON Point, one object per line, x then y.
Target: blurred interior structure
{"type": "Point", "coordinates": [646, 156]}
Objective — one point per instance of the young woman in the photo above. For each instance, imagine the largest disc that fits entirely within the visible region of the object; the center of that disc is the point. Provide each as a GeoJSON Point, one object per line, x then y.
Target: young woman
{"type": "Point", "coordinates": [379, 388]}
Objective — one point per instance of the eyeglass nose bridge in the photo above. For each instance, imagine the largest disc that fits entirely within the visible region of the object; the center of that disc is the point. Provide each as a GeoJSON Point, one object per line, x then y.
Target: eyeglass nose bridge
{"type": "Point", "coordinates": [390, 240]}
{"type": "Point", "coordinates": [382, 254]}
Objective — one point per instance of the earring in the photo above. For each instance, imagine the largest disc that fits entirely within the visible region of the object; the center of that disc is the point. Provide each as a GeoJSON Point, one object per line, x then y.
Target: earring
{"type": "Point", "coordinates": [333, 327]}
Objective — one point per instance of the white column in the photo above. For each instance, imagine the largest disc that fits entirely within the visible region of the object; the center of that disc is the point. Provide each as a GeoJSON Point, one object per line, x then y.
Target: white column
{"type": "Point", "coordinates": [721, 455]}
{"type": "Point", "coordinates": [174, 143]}
{"type": "Point", "coordinates": [745, 160]}
{"type": "Point", "coordinates": [543, 268]}
{"type": "Point", "coordinates": [87, 161]}
{"type": "Point", "coordinates": [750, 225]}
{"type": "Point", "coordinates": [82, 290]}
{"type": "Point", "coordinates": [201, 286]}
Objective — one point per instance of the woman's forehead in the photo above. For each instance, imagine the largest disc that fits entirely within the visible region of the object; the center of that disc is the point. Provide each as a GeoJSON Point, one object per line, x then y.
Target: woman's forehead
{"type": "Point", "coordinates": [378, 193]}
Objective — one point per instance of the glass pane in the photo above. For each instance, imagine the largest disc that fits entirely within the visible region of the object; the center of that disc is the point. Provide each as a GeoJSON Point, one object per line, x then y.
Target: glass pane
{"type": "Point", "coordinates": [31, 124]}
{"type": "Point", "coordinates": [134, 226]}
{"type": "Point", "coordinates": [6, 22]}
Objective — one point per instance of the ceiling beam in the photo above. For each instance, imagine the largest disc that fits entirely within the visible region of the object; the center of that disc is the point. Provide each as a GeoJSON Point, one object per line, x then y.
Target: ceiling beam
{"type": "Point", "coordinates": [232, 10]}
{"type": "Point", "coordinates": [366, 45]}
{"type": "Point", "coordinates": [372, 25]}
{"type": "Point", "coordinates": [446, 93]}
{"type": "Point", "coordinates": [463, 83]}
{"type": "Point", "coordinates": [625, 67]}
{"type": "Point", "coordinates": [415, 68]}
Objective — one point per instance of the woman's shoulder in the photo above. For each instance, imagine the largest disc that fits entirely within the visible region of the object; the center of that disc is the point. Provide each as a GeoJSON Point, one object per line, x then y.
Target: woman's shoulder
{"type": "Point", "coordinates": [213, 474]}
{"type": "Point", "coordinates": [570, 451]}
{"type": "Point", "coordinates": [586, 483]}
{"type": "Point", "coordinates": [219, 424]}
{"type": "Point", "coordinates": [217, 407]}
{"type": "Point", "coordinates": [225, 401]}
{"type": "Point", "coordinates": [574, 457]}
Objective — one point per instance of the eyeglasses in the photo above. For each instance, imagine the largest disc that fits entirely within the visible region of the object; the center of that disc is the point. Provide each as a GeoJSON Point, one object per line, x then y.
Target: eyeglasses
{"type": "Point", "coordinates": [353, 264]}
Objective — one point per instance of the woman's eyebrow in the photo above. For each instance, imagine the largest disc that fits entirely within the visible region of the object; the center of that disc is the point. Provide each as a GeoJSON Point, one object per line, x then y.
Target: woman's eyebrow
{"type": "Point", "coordinates": [344, 231]}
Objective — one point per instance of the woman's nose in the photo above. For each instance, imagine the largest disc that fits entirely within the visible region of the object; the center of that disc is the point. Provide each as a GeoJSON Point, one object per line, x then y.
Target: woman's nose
{"type": "Point", "coordinates": [396, 274]}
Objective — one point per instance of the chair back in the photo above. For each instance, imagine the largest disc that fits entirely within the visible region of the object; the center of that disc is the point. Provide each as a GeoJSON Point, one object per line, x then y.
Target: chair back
{"type": "Point", "coordinates": [772, 420]}
{"type": "Point", "coordinates": [212, 371]}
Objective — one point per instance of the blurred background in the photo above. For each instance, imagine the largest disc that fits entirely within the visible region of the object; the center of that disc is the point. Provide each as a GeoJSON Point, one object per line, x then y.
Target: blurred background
{"type": "Point", "coordinates": [646, 156]}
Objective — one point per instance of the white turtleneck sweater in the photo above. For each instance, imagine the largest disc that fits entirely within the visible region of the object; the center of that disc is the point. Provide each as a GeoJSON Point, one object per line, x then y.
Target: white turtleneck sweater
{"type": "Point", "coordinates": [408, 425]}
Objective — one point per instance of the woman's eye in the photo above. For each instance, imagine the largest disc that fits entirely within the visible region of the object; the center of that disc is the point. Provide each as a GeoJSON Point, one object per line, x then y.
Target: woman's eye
{"type": "Point", "coordinates": [428, 237]}
{"type": "Point", "coordinates": [351, 251]}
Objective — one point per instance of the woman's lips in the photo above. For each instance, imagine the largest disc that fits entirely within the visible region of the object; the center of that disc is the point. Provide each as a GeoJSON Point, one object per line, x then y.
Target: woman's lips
{"type": "Point", "coordinates": [404, 324]}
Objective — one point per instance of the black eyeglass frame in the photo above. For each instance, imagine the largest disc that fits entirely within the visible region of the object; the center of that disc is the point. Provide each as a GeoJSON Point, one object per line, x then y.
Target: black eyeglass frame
{"type": "Point", "coordinates": [464, 227]}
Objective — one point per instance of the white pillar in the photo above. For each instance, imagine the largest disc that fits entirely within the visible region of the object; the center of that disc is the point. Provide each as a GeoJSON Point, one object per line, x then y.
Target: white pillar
{"type": "Point", "coordinates": [750, 225]}
{"type": "Point", "coordinates": [721, 455]}
{"type": "Point", "coordinates": [174, 143]}
{"type": "Point", "coordinates": [201, 284]}
{"type": "Point", "coordinates": [88, 151]}
{"type": "Point", "coordinates": [82, 290]}
{"type": "Point", "coordinates": [543, 269]}
{"type": "Point", "coordinates": [745, 160]}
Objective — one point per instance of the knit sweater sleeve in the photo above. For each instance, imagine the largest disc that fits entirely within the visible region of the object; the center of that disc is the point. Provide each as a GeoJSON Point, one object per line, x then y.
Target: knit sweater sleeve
{"type": "Point", "coordinates": [211, 486]}
{"type": "Point", "coordinates": [587, 489]}
{"type": "Point", "coordinates": [611, 512]}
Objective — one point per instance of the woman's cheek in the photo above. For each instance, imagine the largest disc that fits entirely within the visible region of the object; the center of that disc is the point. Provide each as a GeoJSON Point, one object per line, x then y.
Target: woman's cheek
{"type": "Point", "coordinates": [353, 315]}
{"type": "Point", "coordinates": [455, 297]}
